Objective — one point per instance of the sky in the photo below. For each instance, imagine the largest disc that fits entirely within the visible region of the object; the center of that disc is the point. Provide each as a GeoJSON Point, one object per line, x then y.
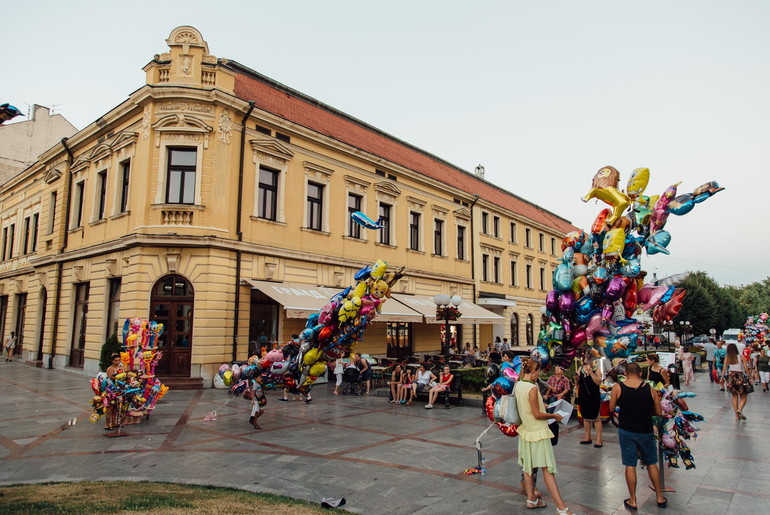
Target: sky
{"type": "Point", "coordinates": [541, 93]}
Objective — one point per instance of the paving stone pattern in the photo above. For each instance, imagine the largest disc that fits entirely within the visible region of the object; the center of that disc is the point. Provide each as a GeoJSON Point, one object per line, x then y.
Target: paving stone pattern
{"type": "Point", "coordinates": [382, 458]}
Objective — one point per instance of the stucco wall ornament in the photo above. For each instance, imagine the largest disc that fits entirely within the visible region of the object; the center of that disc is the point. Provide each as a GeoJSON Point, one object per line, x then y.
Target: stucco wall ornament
{"type": "Point", "coordinates": [225, 127]}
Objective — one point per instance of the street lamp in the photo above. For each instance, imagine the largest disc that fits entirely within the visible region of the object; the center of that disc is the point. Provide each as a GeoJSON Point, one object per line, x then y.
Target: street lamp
{"type": "Point", "coordinates": [444, 302]}
{"type": "Point", "coordinates": [686, 327]}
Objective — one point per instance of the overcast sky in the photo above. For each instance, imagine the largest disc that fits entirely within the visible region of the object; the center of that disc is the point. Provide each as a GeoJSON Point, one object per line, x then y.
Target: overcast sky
{"type": "Point", "coordinates": [542, 93]}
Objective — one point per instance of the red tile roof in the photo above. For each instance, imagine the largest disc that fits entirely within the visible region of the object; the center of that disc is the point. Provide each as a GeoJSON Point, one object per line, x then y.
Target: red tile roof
{"type": "Point", "coordinates": [292, 105]}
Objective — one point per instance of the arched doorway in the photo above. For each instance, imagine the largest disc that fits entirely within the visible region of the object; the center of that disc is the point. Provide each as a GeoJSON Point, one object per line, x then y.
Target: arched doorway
{"type": "Point", "coordinates": [515, 330]}
{"type": "Point", "coordinates": [530, 330]}
{"type": "Point", "coordinates": [172, 305]}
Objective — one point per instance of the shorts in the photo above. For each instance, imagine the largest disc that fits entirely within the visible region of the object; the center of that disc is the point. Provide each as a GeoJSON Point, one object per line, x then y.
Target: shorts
{"type": "Point", "coordinates": [635, 446]}
{"type": "Point", "coordinates": [254, 409]}
{"type": "Point", "coordinates": [764, 377]}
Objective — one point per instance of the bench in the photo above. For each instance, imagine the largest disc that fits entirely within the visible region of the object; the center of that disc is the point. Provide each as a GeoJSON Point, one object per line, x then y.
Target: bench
{"type": "Point", "coordinates": [455, 390]}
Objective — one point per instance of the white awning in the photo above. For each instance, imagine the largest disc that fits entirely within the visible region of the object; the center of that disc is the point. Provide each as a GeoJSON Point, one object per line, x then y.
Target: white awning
{"type": "Point", "coordinates": [302, 300]}
{"type": "Point", "coordinates": [471, 313]}
{"type": "Point", "coordinates": [492, 301]}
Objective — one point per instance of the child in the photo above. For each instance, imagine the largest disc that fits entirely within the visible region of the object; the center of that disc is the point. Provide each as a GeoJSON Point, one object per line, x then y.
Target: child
{"type": "Point", "coordinates": [687, 359]}
{"type": "Point", "coordinates": [258, 400]}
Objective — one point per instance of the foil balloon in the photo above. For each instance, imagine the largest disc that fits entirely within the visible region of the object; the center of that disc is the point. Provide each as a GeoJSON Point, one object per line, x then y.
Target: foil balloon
{"type": "Point", "coordinates": [605, 187]}
{"type": "Point", "coordinates": [541, 355]}
{"type": "Point", "coordinates": [637, 182]}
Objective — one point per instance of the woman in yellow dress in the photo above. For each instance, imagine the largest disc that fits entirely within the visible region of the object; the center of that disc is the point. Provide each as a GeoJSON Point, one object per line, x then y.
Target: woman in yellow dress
{"type": "Point", "coordinates": [535, 449]}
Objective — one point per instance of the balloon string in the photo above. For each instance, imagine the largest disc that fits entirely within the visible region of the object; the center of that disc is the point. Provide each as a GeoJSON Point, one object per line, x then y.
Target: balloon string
{"type": "Point", "coordinates": [224, 403]}
{"type": "Point", "coordinates": [477, 444]}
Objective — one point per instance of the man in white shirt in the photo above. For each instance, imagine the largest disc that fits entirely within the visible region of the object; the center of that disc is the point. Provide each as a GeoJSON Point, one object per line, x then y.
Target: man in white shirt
{"type": "Point", "coordinates": [710, 347]}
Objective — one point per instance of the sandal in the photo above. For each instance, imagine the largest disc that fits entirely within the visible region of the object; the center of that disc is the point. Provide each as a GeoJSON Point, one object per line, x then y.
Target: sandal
{"type": "Point", "coordinates": [663, 503]}
{"type": "Point", "coordinates": [628, 506]}
{"type": "Point", "coordinates": [565, 511]}
{"type": "Point", "coordinates": [585, 442]}
{"type": "Point", "coordinates": [537, 503]}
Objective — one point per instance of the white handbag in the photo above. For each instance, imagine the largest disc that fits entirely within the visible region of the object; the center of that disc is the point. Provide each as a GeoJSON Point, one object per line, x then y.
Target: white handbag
{"type": "Point", "coordinates": [506, 410]}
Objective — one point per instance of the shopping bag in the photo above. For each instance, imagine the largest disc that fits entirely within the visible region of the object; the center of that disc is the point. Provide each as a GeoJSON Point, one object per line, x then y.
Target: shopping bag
{"type": "Point", "coordinates": [506, 410]}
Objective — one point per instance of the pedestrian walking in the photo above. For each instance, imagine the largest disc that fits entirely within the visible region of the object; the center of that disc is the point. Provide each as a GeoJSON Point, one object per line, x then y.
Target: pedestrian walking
{"type": "Point", "coordinates": [719, 359]}
{"type": "Point", "coordinates": [738, 382]}
{"type": "Point", "coordinates": [711, 347]}
{"type": "Point", "coordinates": [10, 346]}
{"type": "Point", "coordinates": [535, 450]}
{"type": "Point", "coordinates": [258, 401]}
{"type": "Point", "coordinates": [637, 402]}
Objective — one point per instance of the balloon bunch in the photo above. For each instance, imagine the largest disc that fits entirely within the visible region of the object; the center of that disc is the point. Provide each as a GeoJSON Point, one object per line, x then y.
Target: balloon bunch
{"type": "Point", "coordinates": [755, 330]}
{"type": "Point", "coordinates": [501, 380]}
{"type": "Point", "coordinates": [135, 390]}
{"type": "Point", "coordinates": [329, 334]}
{"type": "Point", "coordinates": [674, 438]}
{"type": "Point", "coordinates": [599, 284]}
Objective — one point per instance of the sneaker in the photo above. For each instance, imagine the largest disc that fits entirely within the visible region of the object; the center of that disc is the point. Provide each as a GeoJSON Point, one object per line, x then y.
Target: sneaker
{"type": "Point", "coordinates": [283, 399]}
{"type": "Point", "coordinates": [429, 406]}
{"type": "Point", "coordinates": [308, 400]}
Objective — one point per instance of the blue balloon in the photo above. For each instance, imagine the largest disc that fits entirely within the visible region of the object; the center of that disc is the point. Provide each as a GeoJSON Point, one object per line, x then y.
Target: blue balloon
{"type": "Point", "coordinates": [541, 355]}
{"type": "Point", "coordinates": [363, 273]}
{"type": "Point", "coordinates": [681, 205]}
{"type": "Point", "coordinates": [562, 278]}
{"type": "Point", "coordinates": [658, 242]}
{"type": "Point", "coordinates": [502, 386]}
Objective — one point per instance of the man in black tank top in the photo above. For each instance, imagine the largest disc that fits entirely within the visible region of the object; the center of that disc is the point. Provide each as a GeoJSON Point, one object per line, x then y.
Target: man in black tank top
{"type": "Point", "coordinates": [637, 403]}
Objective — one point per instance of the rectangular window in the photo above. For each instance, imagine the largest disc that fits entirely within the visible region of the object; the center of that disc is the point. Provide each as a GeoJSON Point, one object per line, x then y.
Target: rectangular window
{"type": "Point", "coordinates": [485, 223]}
{"type": "Point", "coordinates": [496, 226]}
{"type": "Point", "coordinates": [553, 246]}
{"type": "Point", "coordinates": [354, 204]}
{"type": "Point", "coordinates": [529, 277]}
{"type": "Point", "coordinates": [438, 238]}
{"type": "Point", "coordinates": [282, 137]}
{"type": "Point", "coordinates": [125, 179]}
{"type": "Point", "coordinates": [25, 244]}
{"type": "Point", "coordinates": [513, 232]}
{"type": "Point", "coordinates": [496, 269]}
{"type": "Point", "coordinates": [5, 242]}
{"type": "Point", "coordinates": [514, 274]}
{"type": "Point", "coordinates": [542, 278]}
{"type": "Point", "coordinates": [541, 242]}
{"type": "Point", "coordinates": [268, 193]}
{"type": "Point", "coordinates": [315, 204]}
{"type": "Point", "coordinates": [80, 189]}
{"type": "Point", "coordinates": [113, 307]}
{"type": "Point", "coordinates": [484, 267]}
{"type": "Point", "coordinates": [414, 230]}
{"type": "Point", "coordinates": [182, 164]}
{"type": "Point", "coordinates": [385, 223]}
{"type": "Point", "coordinates": [11, 238]}
{"type": "Point", "coordinates": [528, 238]}
{"type": "Point", "coordinates": [101, 186]}
{"type": "Point", "coordinates": [79, 325]}
{"type": "Point", "coordinates": [460, 242]}
{"type": "Point", "coordinates": [263, 130]}
{"type": "Point", "coordinates": [52, 212]}
{"type": "Point", "coordinates": [35, 223]}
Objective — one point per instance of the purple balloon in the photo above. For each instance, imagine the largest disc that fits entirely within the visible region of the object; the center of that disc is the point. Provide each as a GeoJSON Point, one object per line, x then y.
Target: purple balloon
{"type": "Point", "coordinates": [607, 311]}
{"type": "Point", "coordinates": [578, 336]}
{"type": "Point", "coordinates": [552, 301]}
{"type": "Point", "coordinates": [615, 289]}
{"type": "Point", "coordinates": [567, 303]}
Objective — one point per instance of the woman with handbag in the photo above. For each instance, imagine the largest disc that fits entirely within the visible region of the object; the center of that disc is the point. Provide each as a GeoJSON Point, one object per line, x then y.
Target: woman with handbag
{"type": "Point", "coordinates": [737, 381]}
{"type": "Point", "coordinates": [535, 449]}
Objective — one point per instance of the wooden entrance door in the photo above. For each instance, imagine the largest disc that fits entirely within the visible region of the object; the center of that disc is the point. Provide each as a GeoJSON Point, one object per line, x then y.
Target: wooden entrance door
{"type": "Point", "coordinates": [172, 305]}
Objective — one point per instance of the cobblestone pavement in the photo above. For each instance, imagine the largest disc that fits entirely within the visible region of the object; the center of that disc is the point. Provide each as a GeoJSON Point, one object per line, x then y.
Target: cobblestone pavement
{"type": "Point", "coordinates": [381, 457]}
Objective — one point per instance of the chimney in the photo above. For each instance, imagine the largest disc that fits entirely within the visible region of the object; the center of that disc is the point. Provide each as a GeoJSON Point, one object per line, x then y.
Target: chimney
{"type": "Point", "coordinates": [479, 171]}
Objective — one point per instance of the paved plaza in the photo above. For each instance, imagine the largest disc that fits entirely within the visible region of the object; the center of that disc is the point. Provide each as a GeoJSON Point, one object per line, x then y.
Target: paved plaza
{"type": "Point", "coordinates": [381, 457]}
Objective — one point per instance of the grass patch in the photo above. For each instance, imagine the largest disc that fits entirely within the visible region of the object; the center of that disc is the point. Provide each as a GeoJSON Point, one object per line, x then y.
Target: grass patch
{"type": "Point", "coordinates": [116, 497]}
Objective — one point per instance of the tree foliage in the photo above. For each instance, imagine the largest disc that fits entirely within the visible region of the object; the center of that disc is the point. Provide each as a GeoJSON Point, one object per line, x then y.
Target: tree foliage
{"type": "Point", "coordinates": [110, 347]}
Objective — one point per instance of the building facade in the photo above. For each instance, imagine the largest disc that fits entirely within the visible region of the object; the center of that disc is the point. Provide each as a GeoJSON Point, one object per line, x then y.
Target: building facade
{"type": "Point", "coordinates": [217, 201]}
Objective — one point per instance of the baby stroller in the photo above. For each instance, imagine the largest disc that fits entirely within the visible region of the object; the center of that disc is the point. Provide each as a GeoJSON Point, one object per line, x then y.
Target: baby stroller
{"type": "Point", "coordinates": [351, 382]}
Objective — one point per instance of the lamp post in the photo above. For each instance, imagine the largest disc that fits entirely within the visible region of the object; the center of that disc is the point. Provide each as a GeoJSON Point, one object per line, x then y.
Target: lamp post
{"type": "Point", "coordinates": [444, 301]}
{"type": "Point", "coordinates": [686, 327]}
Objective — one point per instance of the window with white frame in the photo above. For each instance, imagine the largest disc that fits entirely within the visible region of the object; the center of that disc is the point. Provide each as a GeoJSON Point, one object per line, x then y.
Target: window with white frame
{"type": "Point", "coordinates": [181, 175]}
{"type": "Point", "coordinates": [529, 277]}
{"type": "Point", "coordinates": [496, 226]}
{"type": "Point", "coordinates": [541, 241]}
{"type": "Point", "coordinates": [484, 223]}
{"type": "Point", "coordinates": [125, 180]}
{"type": "Point", "coordinates": [461, 242]}
{"type": "Point", "coordinates": [52, 212]}
{"type": "Point", "coordinates": [514, 273]}
{"type": "Point", "coordinates": [485, 267]}
{"type": "Point", "coordinates": [414, 230]}
{"type": "Point", "coordinates": [513, 232]}
{"type": "Point", "coordinates": [101, 195]}
{"type": "Point", "coordinates": [315, 206]}
{"type": "Point", "coordinates": [354, 204]}
{"type": "Point", "coordinates": [438, 237]}
{"type": "Point", "coordinates": [542, 278]}
{"type": "Point", "coordinates": [496, 269]}
{"type": "Point", "coordinates": [267, 202]}
{"type": "Point", "coordinates": [385, 211]}
{"type": "Point", "coordinates": [528, 238]}
{"type": "Point", "coordinates": [78, 198]}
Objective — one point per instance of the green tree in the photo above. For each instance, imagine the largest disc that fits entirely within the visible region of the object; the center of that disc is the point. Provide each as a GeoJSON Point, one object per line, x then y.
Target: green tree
{"type": "Point", "coordinates": [110, 347]}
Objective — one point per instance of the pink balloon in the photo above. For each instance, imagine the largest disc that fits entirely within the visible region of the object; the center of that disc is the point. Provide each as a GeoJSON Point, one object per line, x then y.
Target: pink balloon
{"type": "Point", "coordinates": [650, 295]}
{"type": "Point", "coordinates": [578, 336]}
{"type": "Point", "coordinates": [510, 373]}
{"type": "Point", "coordinates": [274, 355]}
{"type": "Point", "coordinates": [596, 327]}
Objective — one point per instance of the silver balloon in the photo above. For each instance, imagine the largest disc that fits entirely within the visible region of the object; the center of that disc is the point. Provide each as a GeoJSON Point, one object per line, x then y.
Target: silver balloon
{"type": "Point", "coordinates": [603, 365]}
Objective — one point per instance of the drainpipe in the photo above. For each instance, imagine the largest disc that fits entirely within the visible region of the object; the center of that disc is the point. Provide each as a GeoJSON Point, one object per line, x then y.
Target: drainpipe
{"type": "Point", "coordinates": [473, 265]}
{"type": "Point", "coordinates": [239, 232]}
{"type": "Point", "coordinates": [60, 263]}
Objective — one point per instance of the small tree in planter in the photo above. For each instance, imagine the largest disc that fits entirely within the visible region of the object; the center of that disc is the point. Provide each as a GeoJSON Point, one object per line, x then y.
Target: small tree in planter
{"type": "Point", "coordinates": [110, 347]}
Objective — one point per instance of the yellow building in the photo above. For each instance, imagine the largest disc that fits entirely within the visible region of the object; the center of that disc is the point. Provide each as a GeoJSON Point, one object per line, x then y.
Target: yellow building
{"type": "Point", "coordinates": [218, 201]}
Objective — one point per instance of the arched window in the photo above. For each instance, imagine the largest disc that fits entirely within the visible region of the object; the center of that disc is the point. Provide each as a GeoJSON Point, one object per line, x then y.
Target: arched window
{"type": "Point", "coordinates": [530, 330]}
{"type": "Point", "coordinates": [514, 329]}
{"type": "Point", "coordinates": [172, 305]}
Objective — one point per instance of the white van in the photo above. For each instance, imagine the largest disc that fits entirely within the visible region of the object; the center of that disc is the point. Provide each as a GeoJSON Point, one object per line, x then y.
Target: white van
{"type": "Point", "coordinates": [731, 336]}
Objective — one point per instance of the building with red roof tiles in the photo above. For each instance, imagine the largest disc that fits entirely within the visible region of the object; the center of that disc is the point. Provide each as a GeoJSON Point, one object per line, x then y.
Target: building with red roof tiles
{"type": "Point", "coordinates": [218, 202]}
